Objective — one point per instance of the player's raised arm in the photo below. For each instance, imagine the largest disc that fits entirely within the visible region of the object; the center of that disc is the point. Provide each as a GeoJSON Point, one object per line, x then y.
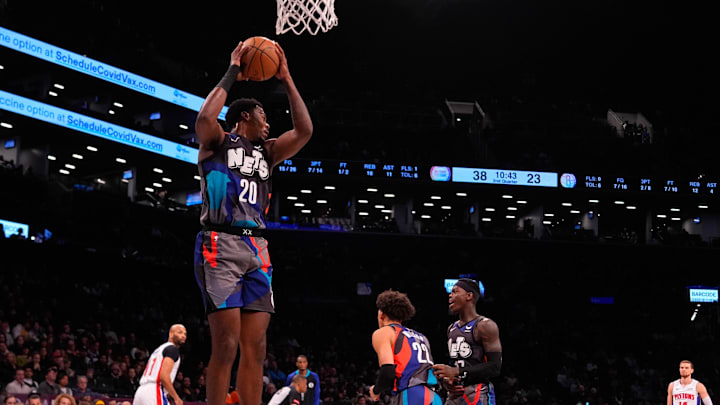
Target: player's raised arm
{"type": "Point", "coordinates": [290, 143]}
{"type": "Point", "coordinates": [209, 131]}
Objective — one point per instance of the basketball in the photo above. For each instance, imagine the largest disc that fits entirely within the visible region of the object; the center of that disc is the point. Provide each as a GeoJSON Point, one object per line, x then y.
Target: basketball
{"type": "Point", "coordinates": [262, 60]}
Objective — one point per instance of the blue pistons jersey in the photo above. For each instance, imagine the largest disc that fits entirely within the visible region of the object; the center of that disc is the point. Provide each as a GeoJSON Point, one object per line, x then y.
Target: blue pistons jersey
{"type": "Point", "coordinates": [235, 184]}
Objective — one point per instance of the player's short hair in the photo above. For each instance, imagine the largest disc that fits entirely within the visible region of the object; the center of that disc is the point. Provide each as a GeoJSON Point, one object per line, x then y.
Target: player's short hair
{"type": "Point", "coordinates": [470, 286]}
{"type": "Point", "coordinates": [395, 305]}
{"type": "Point", "coordinates": [301, 356]}
{"type": "Point", "coordinates": [237, 107]}
{"type": "Point", "coordinates": [689, 362]}
{"type": "Point", "coordinates": [298, 378]}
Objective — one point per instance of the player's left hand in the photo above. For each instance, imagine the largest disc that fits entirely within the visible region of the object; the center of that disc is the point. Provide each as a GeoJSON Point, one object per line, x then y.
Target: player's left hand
{"type": "Point", "coordinates": [283, 70]}
{"type": "Point", "coordinates": [375, 397]}
{"type": "Point", "coordinates": [445, 372]}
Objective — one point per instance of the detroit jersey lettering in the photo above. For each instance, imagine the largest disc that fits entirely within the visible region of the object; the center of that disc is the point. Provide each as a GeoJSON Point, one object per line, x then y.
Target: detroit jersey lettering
{"type": "Point", "coordinates": [685, 394]}
{"type": "Point", "coordinates": [413, 359]}
{"type": "Point", "coordinates": [235, 182]}
{"type": "Point", "coordinates": [151, 375]}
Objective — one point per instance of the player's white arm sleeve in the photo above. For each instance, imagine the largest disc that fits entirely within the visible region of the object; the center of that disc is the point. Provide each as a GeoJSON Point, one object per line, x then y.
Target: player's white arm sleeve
{"type": "Point", "coordinates": [707, 400]}
{"type": "Point", "coordinates": [279, 396]}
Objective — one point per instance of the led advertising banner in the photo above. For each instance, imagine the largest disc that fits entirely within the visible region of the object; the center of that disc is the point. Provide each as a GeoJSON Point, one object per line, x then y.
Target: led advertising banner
{"type": "Point", "coordinates": [78, 122]}
{"type": "Point", "coordinates": [100, 70]}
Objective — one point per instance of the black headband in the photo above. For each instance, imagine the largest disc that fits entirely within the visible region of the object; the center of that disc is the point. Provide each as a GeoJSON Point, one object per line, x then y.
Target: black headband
{"type": "Point", "coordinates": [470, 285]}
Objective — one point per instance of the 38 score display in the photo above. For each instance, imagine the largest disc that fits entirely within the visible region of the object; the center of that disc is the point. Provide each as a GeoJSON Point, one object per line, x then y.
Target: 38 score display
{"type": "Point", "coordinates": [504, 177]}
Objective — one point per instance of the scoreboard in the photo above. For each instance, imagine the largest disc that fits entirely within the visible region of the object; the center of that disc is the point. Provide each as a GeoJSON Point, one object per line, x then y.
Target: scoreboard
{"type": "Point", "coordinates": [594, 181]}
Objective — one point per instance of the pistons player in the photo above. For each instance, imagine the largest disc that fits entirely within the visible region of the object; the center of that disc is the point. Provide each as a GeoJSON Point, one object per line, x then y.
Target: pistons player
{"type": "Point", "coordinates": [686, 390]}
{"type": "Point", "coordinates": [157, 380]}
{"type": "Point", "coordinates": [403, 354]}
{"type": "Point", "coordinates": [474, 347]}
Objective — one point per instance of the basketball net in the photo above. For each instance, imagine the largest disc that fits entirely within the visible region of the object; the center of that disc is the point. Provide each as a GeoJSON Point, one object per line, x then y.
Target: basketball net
{"type": "Point", "coordinates": [305, 15]}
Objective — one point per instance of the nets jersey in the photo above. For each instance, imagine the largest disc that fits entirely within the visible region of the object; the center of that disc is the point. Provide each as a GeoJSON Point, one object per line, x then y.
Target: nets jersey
{"type": "Point", "coordinates": [685, 394]}
{"type": "Point", "coordinates": [412, 358]}
{"type": "Point", "coordinates": [235, 184]}
{"type": "Point", "coordinates": [155, 361]}
{"type": "Point", "coordinates": [464, 350]}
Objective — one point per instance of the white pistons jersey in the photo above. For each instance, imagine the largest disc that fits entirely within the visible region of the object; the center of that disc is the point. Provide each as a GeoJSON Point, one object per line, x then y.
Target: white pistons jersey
{"type": "Point", "coordinates": [155, 362]}
{"type": "Point", "coordinates": [685, 394]}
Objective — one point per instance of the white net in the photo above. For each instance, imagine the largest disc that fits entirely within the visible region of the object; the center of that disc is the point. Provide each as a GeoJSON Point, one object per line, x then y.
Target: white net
{"type": "Point", "coordinates": [305, 15]}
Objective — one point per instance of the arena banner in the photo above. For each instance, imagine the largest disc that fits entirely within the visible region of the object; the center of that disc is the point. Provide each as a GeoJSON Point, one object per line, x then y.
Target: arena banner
{"type": "Point", "coordinates": [92, 126]}
{"type": "Point", "coordinates": [71, 60]}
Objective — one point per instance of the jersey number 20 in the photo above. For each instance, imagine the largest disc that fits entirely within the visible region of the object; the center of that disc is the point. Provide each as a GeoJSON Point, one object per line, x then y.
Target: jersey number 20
{"type": "Point", "coordinates": [249, 191]}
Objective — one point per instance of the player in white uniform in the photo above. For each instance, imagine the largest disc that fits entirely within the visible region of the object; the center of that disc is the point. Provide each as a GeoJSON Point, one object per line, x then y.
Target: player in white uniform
{"type": "Point", "coordinates": [156, 382]}
{"type": "Point", "coordinates": [686, 390]}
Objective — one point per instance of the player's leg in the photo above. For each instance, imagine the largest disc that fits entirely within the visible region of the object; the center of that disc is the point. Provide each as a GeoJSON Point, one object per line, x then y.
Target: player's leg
{"type": "Point", "coordinates": [252, 355]}
{"type": "Point", "coordinates": [225, 336]}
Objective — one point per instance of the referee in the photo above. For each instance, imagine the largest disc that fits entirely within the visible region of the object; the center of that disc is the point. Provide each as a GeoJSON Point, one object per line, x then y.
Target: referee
{"type": "Point", "coordinates": [291, 394]}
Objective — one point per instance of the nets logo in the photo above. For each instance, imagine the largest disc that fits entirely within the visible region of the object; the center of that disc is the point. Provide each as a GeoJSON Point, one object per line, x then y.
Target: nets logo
{"type": "Point", "coordinates": [568, 180]}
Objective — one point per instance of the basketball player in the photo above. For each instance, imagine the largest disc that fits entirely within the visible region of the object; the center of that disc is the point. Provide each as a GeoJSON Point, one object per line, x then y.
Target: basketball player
{"type": "Point", "coordinates": [232, 265]}
{"type": "Point", "coordinates": [686, 390]}
{"type": "Point", "coordinates": [157, 380]}
{"type": "Point", "coordinates": [474, 346]}
{"type": "Point", "coordinates": [290, 394]}
{"type": "Point", "coordinates": [312, 395]}
{"type": "Point", "coordinates": [403, 355]}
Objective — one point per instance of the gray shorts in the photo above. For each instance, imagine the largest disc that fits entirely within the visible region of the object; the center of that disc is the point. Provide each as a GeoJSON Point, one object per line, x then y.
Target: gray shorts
{"type": "Point", "coordinates": [479, 394]}
{"type": "Point", "coordinates": [233, 271]}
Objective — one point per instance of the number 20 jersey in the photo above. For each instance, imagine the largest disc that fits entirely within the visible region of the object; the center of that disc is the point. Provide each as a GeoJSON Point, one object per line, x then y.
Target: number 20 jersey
{"type": "Point", "coordinates": [235, 184]}
{"type": "Point", "coordinates": [413, 360]}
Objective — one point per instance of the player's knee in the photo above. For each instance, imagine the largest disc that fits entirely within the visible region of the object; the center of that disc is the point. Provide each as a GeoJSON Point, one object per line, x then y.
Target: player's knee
{"type": "Point", "coordinates": [224, 349]}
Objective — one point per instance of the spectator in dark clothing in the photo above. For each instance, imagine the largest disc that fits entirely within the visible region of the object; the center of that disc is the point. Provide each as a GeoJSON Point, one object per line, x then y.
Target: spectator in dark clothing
{"type": "Point", "coordinates": [49, 387]}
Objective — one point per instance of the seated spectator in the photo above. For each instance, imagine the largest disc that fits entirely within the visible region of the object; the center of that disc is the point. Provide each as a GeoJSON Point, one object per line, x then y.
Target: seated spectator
{"type": "Point", "coordinates": [81, 389]}
{"type": "Point", "coordinates": [29, 380]}
{"type": "Point", "coordinates": [63, 382]}
{"type": "Point", "coordinates": [64, 399]}
{"type": "Point", "coordinates": [18, 386]}
{"type": "Point", "coordinates": [34, 399]}
{"type": "Point", "coordinates": [49, 387]}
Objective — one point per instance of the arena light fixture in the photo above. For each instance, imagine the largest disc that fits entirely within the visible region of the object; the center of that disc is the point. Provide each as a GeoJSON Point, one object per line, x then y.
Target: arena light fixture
{"type": "Point", "coordinates": [69, 166]}
{"type": "Point", "coordinates": [51, 157]}
{"type": "Point", "coordinates": [521, 202]}
{"type": "Point", "coordinates": [429, 204]}
{"type": "Point", "coordinates": [593, 201]}
{"type": "Point", "coordinates": [661, 216]}
{"type": "Point", "coordinates": [446, 207]}
{"type": "Point", "coordinates": [63, 171]}
{"type": "Point", "coordinates": [167, 180]}
{"type": "Point", "coordinates": [547, 222]}
{"type": "Point", "coordinates": [291, 197]}
{"type": "Point", "coordinates": [156, 170]}
{"type": "Point", "coordinates": [461, 194]}
{"type": "Point", "coordinates": [52, 93]}
{"type": "Point", "coordinates": [567, 204]}
{"type": "Point", "coordinates": [364, 214]}
{"type": "Point", "coordinates": [372, 190]}
{"type": "Point", "coordinates": [149, 190]}
{"type": "Point", "coordinates": [183, 126]}
{"type": "Point", "coordinates": [118, 105]}
{"type": "Point", "coordinates": [299, 204]}
{"type": "Point", "coordinates": [510, 216]}
{"type": "Point", "coordinates": [435, 197]}
{"type": "Point", "coordinates": [574, 211]}
{"type": "Point", "coordinates": [619, 202]}
{"type": "Point", "coordinates": [386, 211]}
{"type": "Point", "coordinates": [425, 216]}
{"type": "Point", "coordinates": [676, 218]}
{"type": "Point", "coordinates": [490, 209]}
{"type": "Point", "coordinates": [321, 201]}
{"type": "Point", "coordinates": [197, 178]}
{"type": "Point", "coordinates": [76, 156]}
{"type": "Point", "coordinates": [675, 209]}
{"type": "Point", "coordinates": [329, 187]}
{"type": "Point", "coordinates": [6, 125]}
{"type": "Point", "coordinates": [507, 196]}
{"type": "Point", "coordinates": [305, 211]}
{"type": "Point", "coordinates": [512, 208]}
{"type": "Point", "coordinates": [703, 207]}
{"type": "Point", "coordinates": [92, 148]}
{"type": "Point", "coordinates": [121, 160]}
{"type": "Point", "coordinates": [547, 214]}
{"type": "Point", "coordinates": [158, 185]}
{"type": "Point", "coordinates": [363, 201]}
{"type": "Point", "coordinates": [487, 219]}
{"type": "Point", "coordinates": [631, 207]}
{"type": "Point", "coordinates": [380, 206]}
{"type": "Point", "coordinates": [111, 112]}
{"type": "Point", "coordinates": [59, 86]}
{"type": "Point", "coordinates": [305, 191]}
{"type": "Point", "coordinates": [389, 195]}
